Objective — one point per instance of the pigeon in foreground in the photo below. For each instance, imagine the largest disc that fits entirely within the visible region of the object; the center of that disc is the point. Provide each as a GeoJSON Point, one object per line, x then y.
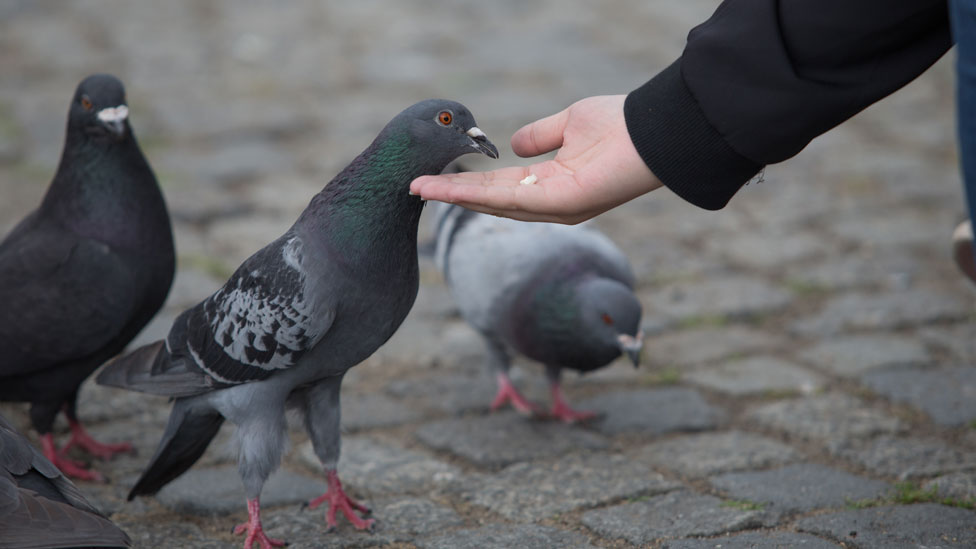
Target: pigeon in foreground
{"type": "Point", "coordinates": [85, 272]}
{"type": "Point", "coordinates": [560, 295]}
{"type": "Point", "coordinates": [296, 315]}
{"type": "Point", "coordinates": [40, 507]}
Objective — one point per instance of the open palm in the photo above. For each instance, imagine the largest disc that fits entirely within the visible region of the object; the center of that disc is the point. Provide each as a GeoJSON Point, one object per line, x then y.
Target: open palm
{"type": "Point", "coordinates": [595, 169]}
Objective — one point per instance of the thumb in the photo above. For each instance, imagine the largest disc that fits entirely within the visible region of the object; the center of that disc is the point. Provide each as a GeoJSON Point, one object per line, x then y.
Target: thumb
{"type": "Point", "coordinates": [541, 136]}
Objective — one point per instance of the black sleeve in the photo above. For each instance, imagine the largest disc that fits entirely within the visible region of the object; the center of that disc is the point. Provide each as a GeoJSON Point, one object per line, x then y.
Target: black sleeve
{"type": "Point", "coordinates": [761, 78]}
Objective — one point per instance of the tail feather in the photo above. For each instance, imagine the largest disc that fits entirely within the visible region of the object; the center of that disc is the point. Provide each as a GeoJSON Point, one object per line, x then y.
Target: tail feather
{"type": "Point", "coordinates": [188, 433]}
{"type": "Point", "coordinates": [150, 369]}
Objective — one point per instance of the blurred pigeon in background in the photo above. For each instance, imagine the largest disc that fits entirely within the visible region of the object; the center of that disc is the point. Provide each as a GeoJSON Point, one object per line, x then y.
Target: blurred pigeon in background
{"type": "Point", "coordinates": [41, 508]}
{"type": "Point", "coordinates": [85, 272]}
{"type": "Point", "coordinates": [298, 313]}
{"type": "Point", "coordinates": [561, 295]}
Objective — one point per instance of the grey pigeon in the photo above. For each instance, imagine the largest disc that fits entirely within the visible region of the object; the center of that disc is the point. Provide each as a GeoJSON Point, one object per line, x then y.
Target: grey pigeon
{"type": "Point", "coordinates": [84, 272]}
{"type": "Point", "coordinates": [40, 507]}
{"type": "Point", "coordinates": [297, 314]}
{"type": "Point", "coordinates": [557, 294]}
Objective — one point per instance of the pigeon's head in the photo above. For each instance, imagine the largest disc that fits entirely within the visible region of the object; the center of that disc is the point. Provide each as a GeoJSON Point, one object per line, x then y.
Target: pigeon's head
{"type": "Point", "coordinates": [612, 317]}
{"type": "Point", "coordinates": [98, 109]}
{"type": "Point", "coordinates": [444, 130]}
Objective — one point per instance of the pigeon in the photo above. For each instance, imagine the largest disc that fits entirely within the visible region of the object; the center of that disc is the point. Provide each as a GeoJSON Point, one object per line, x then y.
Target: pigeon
{"type": "Point", "coordinates": [40, 507]}
{"type": "Point", "coordinates": [82, 274]}
{"type": "Point", "coordinates": [558, 294]}
{"type": "Point", "coordinates": [296, 315]}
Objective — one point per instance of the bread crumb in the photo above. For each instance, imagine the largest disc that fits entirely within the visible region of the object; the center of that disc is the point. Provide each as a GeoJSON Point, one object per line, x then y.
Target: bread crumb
{"type": "Point", "coordinates": [531, 179]}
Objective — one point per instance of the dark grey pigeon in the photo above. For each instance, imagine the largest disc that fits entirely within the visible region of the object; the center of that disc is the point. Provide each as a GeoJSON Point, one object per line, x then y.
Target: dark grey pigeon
{"type": "Point", "coordinates": [82, 274]}
{"type": "Point", "coordinates": [299, 313]}
{"type": "Point", "coordinates": [40, 507]}
{"type": "Point", "coordinates": [560, 295]}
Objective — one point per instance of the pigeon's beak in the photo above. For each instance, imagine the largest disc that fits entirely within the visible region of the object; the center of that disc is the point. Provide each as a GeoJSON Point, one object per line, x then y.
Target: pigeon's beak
{"type": "Point", "coordinates": [631, 346]}
{"type": "Point", "coordinates": [480, 142]}
{"type": "Point", "coordinates": [113, 118]}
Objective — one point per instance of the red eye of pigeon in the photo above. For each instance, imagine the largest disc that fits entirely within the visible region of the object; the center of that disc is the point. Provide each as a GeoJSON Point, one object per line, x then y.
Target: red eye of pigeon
{"type": "Point", "coordinates": [607, 320]}
{"type": "Point", "coordinates": [86, 103]}
{"type": "Point", "coordinates": [445, 117]}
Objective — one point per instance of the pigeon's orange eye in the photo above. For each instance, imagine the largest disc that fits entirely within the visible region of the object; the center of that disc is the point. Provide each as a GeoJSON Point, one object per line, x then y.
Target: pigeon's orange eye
{"type": "Point", "coordinates": [445, 117]}
{"type": "Point", "coordinates": [86, 103]}
{"type": "Point", "coordinates": [606, 319]}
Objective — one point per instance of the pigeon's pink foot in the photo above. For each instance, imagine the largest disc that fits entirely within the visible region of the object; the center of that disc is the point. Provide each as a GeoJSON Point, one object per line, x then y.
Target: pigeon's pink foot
{"type": "Point", "coordinates": [508, 393]}
{"type": "Point", "coordinates": [339, 501]}
{"type": "Point", "coordinates": [254, 530]}
{"type": "Point", "coordinates": [67, 466]}
{"type": "Point", "coordinates": [81, 439]}
{"type": "Point", "coordinates": [562, 411]}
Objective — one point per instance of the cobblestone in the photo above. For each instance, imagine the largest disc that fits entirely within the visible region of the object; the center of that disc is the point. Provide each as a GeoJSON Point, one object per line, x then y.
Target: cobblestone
{"type": "Point", "coordinates": [653, 411]}
{"type": "Point", "coordinates": [678, 514]}
{"type": "Point", "coordinates": [924, 525]}
{"type": "Point", "coordinates": [831, 276]}
{"type": "Point", "coordinates": [717, 453]}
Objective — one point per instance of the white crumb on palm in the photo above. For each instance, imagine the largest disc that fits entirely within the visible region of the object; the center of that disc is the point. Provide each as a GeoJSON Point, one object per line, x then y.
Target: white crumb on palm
{"type": "Point", "coordinates": [531, 179]}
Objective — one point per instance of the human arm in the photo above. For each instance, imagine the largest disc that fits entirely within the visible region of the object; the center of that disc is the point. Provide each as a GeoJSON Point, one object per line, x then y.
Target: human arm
{"type": "Point", "coordinates": [756, 83]}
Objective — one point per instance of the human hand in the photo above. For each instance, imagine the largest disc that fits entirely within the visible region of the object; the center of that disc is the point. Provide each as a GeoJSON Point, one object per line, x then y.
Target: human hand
{"type": "Point", "coordinates": [595, 169]}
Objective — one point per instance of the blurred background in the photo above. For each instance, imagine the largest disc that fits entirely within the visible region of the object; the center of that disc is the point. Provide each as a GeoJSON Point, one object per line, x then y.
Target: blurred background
{"type": "Point", "coordinates": [245, 109]}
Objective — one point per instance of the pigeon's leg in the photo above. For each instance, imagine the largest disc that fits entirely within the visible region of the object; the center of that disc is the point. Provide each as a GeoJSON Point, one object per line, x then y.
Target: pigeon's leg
{"type": "Point", "coordinates": [255, 532]}
{"type": "Point", "coordinates": [81, 438]}
{"type": "Point", "coordinates": [42, 418]}
{"type": "Point", "coordinates": [560, 408]}
{"type": "Point", "coordinates": [499, 363]}
{"type": "Point", "coordinates": [262, 444]}
{"type": "Point", "coordinates": [322, 421]}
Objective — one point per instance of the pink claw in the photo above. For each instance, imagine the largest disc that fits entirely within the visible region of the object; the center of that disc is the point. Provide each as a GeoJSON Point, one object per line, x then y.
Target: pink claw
{"type": "Point", "coordinates": [339, 501]}
{"type": "Point", "coordinates": [562, 411]}
{"type": "Point", "coordinates": [81, 438]}
{"type": "Point", "coordinates": [508, 393]}
{"type": "Point", "coordinates": [254, 530]}
{"type": "Point", "coordinates": [67, 466]}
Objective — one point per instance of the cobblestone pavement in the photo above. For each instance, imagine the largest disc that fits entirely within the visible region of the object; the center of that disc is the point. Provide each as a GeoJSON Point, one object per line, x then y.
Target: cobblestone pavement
{"type": "Point", "coordinates": [810, 366]}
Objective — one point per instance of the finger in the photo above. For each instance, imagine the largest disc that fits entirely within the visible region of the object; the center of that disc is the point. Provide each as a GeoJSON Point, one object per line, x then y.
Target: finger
{"type": "Point", "coordinates": [541, 136]}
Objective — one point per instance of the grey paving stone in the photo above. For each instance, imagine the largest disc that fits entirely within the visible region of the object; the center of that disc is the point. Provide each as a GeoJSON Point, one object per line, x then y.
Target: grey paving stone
{"type": "Point", "coordinates": [397, 520]}
{"type": "Point", "coordinates": [370, 466]}
{"type": "Point", "coordinates": [505, 438]}
{"type": "Point", "coordinates": [506, 536]}
{"type": "Point", "coordinates": [890, 309]}
{"type": "Point", "coordinates": [960, 485]}
{"type": "Point", "coordinates": [706, 454]}
{"type": "Point", "coordinates": [799, 487]}
{"type": "Point", "coordinates": [896, 527]}
{"type": "Point", "coordinates": [459, 393]}
{"type": "Point", "coordinates": [905, 458]}
{"type": "Point", "coordinates": [528, 492]}
{"type": "Point", "coordinates": [146, 533]}
{"type": "Point", "coordinates": [947, 395]}
{"type": "Point", "coordinates": [851, 356]}
{"type": "Point", "coordinates": [691, 347]}
{"type": "Point", "coordinates": [757, 375]}
{"type": "Point", "coordinates": [372, 410]}
{"type": "Point", "coordinates": [427, 340]}
{"type": "Point", "coordinates": [653, 411]}
{"type": "Point", "coordinates": [959, 339]}
{"type": "Point", "coordinates": [768, 251]}
{"type": "Point", "coordinates": [886, 268]}
{"type": "Point", "coordinates": [831, 416]}
{"type": "Point", "coordinates": [218, 491]}
{"type": "Point", "coordinates": [731, 296]}
{"type": "Point", "coordinates": [906, 227]}
{"type": "Point", "coordinates": [677, 514]}
{"type": "Point", "coordinates": [753, 540]}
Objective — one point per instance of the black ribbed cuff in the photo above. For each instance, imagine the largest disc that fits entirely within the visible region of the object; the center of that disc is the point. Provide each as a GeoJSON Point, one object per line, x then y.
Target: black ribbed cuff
{"type": "Point", "coordinates": [680, 146]}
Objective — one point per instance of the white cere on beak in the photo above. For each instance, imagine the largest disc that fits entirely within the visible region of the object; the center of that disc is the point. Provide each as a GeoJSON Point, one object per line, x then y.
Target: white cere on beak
{"type": "Point", "coordinates": [631, 343]}
{"type": "Point", "coordinates": [113, 114]}
{"type": "Point", "coordinates": [475, 133]}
